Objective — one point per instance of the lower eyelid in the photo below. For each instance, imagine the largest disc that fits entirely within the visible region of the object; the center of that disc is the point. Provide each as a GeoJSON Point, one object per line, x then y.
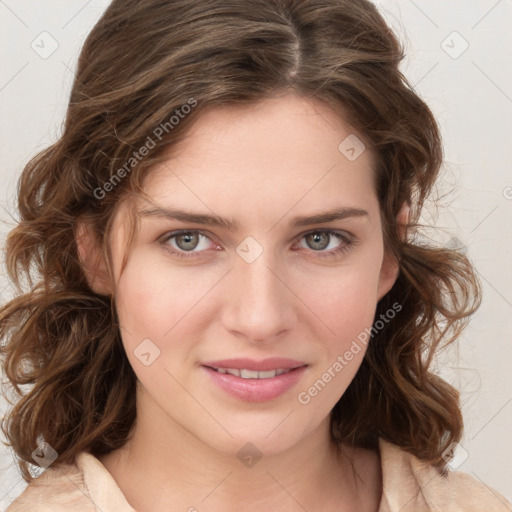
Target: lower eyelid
{"type": "Point", "coordinates": [172, 236]}
{"type": "Point", "coordinates": [346, 241]}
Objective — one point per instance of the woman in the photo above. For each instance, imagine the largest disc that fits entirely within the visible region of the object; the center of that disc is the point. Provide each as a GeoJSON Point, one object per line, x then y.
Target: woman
{"type": "Point", "coordinates": [230, 305]}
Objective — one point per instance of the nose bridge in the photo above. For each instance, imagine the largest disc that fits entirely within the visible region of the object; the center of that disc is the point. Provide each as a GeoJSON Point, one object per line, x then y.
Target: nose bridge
{"type": "Point", "coordinates": [260, 305]}
{"type": "Point", "coordinates": [259, 281]}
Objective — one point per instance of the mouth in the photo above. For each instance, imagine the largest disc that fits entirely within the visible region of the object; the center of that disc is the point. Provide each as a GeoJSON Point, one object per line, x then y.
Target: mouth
{"type": "Point", "coordinates": [279, 364]}
{"type": "Point", "coordinates": [255, 385]}
{"type": "Point", "coordinates": [252, 374]}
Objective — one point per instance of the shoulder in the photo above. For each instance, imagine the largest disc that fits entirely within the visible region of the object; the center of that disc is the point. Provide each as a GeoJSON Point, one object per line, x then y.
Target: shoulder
{"type": "Point", "coordinates": [57, 488]}
{"type": "Point", "coordinates": [84, 486]}
{"type": "Point", "coordinates": [409, 484]}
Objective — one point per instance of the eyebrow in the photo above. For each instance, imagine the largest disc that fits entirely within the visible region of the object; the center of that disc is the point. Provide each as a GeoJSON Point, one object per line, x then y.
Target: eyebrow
{"type": "Point", "coordinates": [232, 225]}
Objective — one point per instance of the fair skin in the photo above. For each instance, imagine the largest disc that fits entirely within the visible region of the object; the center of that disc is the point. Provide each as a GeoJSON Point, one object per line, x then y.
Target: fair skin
{"type": "Point", "coordinates": [261, 166]}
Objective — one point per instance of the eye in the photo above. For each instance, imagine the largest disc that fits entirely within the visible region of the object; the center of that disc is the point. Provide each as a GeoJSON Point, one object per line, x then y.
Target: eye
{"type": "Point", "coordinates": [320, 240]}
{"type": "Point", "coordinates": [180, 243]}
{"type": "Point", "coordinates": [191, 243]}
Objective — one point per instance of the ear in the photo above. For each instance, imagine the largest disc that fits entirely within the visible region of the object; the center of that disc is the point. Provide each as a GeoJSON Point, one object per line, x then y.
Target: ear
{"type": "Point", "coordinates": [91, 258]}
{"type": "Point", "coordinates": [389, 269]}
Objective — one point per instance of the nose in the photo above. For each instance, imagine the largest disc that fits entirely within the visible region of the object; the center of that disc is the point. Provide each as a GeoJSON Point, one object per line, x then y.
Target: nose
{"type": "Point", "coordinates": [260, 303]}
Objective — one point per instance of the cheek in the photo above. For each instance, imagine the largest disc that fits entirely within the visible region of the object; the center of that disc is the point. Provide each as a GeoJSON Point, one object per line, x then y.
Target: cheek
{"type": "Point", "coordinates": [158, 301]}
{"type": "Point", "coordinates": [152, 299]}
{"type": "Point", "coordinates": [345, 303]}
{"type": "Point", "coordinates": [163, 303]}
{"type": "Point", "coordinates": [344, 299]}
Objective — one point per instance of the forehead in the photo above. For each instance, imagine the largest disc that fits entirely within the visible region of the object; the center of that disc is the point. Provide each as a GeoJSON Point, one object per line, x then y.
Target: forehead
{"type": "Point", "coordinates": [261, 167]}
{"type": "Point", "coordinates": [273, 154]}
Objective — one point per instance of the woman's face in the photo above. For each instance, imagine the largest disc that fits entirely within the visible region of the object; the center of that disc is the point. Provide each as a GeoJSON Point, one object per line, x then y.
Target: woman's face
{"type": "Point", "coordinates": [261, 283]}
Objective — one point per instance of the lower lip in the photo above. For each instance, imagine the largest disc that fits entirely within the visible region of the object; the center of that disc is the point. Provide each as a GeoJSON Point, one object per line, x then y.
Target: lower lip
{"type": "Point", "coordinates": [255, 390]}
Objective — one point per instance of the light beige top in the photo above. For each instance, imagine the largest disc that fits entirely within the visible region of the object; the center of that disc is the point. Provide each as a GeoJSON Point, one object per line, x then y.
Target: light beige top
{"type": "Point", "coordinates": [409, 485]}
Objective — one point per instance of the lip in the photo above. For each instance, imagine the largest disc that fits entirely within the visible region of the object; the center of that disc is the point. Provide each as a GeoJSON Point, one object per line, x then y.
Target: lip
{"type": "Point", "coordinates": [272, 363]}
{"type": "Point", "coordinates": [255, 390]}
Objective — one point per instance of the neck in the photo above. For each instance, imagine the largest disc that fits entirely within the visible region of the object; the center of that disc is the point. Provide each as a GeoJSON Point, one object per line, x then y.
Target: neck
{"type": "Point", "coordinates": [163, 466]}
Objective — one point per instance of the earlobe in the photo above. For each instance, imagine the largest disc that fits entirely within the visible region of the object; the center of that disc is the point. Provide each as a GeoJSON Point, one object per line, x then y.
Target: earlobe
{"type": "Point", "coordinates": [91, 258]}
{"type": "Point", "coordinates": [402, 219]}
{"type": "Point", "coordinates": [390, 269]}
{"type": "Point", "coordinates": [388, 275]}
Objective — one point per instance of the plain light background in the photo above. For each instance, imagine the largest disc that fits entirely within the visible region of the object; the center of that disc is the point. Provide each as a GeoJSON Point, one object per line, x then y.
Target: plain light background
{"type": "Point", "coordinates": [458, 60]}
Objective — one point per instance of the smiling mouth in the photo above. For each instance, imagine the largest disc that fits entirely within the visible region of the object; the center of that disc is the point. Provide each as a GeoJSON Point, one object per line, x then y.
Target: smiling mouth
{"type": "Point", "coordinates": [266, 382]}
{"type": "Point", "coordinates": [253, 374]}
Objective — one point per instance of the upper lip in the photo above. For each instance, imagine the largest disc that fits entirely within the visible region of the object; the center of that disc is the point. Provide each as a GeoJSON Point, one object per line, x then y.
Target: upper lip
{"type": "Point", "coordinates": [272, 363]}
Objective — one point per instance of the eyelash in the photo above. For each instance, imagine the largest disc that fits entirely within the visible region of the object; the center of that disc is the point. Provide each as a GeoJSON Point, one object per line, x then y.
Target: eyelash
{"type": "Point", "coordinates": [346, 246]}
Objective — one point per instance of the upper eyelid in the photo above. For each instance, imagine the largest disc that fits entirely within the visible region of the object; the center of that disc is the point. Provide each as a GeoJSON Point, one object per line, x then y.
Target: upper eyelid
{"type": "Point", "coordinates": [171, 234]}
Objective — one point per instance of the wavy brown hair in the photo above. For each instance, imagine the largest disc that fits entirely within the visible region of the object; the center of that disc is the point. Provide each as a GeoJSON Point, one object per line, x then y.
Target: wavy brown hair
{"type": "Point", "coordinates": [143, 61]}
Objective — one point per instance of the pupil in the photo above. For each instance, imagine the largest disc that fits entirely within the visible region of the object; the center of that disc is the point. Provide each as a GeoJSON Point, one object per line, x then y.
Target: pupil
{"type": "Point", "coordinates": [317, 236]}
{"type": "Point", "coordinates": [188, 237]}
